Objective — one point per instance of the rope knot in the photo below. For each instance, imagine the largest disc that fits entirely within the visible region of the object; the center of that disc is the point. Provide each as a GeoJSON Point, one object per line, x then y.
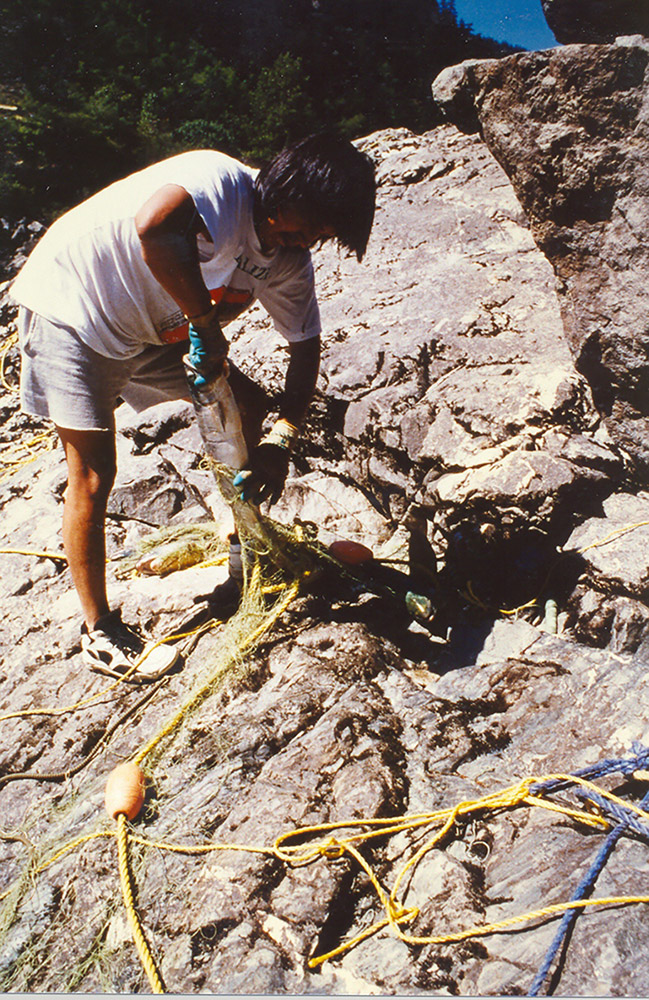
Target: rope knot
{"type": "Point", "coordinates": [332, 849]}
{"type": "Point", "coordinates": [516, 794]}
{"type": "Point", "coordinates": [400, 914]}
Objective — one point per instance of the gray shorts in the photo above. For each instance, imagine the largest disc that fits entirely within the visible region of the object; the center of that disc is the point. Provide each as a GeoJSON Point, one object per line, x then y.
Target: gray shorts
{"type": "Point", "coordinates": [64, 379]}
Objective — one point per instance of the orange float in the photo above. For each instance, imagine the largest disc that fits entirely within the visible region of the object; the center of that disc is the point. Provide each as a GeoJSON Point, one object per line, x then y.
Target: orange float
{"type": "Point", "coordinates": [350, 553]}
{"type": "Point", "coordinates": [125, 790]}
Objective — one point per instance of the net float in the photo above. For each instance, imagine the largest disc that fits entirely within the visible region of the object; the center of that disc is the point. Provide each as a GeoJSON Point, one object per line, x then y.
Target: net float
{"type": "Point", "coordinates": [125, 790]}
{"type": "Point", "coordinates": [167, 558]}
{"type": "Point", "coordinates": [550, 622]}
{"type": "Point", "coordinates": [418, 605]}
{"type": "Point", "coordinates": [351, 553]}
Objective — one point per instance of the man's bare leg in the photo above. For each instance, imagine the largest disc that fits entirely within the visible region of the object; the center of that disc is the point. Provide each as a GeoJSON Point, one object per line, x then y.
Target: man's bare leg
{"type": "Point", "coordinates": [91, 461]}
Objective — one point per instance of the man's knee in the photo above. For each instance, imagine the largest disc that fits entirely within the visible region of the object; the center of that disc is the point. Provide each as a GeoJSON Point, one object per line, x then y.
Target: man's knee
{"type": "Point", "coordinates": [92, 465]}
{"type": "Point", "coordinates": [89, 486]}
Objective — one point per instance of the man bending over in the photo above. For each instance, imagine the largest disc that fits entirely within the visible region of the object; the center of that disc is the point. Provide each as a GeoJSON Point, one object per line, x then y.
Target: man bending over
{"type": "Point", "coordinates": [106, 302]}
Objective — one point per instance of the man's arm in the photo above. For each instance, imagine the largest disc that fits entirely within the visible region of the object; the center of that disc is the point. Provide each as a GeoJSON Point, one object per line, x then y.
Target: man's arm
{"type": "Point", "coordinates": [301, 378]}
{"type": "Point", "coordinates": [167, 225]}
{"type": "Point", "coordinates": [264, 476]}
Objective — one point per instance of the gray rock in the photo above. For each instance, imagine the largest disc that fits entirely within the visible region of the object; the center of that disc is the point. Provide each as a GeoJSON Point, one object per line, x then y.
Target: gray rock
{"type": "Point", "coordinates": [609, 604]}
{"type": "Point", "coordinates": [615, 546]}
{"type": "Point", "coordinates": [451, 425]}
{"type": "Point", "coordinates": [569, 126]}
{"type": "Point", "coordinates": [407, 368]}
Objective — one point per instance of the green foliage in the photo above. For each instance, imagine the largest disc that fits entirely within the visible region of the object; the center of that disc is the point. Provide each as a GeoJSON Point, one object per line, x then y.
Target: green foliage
{"type": "Point", "coordinates": [277, 110]}
{"type": "Point", "coordinates": [202, 134]}
{"type": "Point", "coordinates": [42, 152]}
{"type": "Point", "coordinates": [106, 86]}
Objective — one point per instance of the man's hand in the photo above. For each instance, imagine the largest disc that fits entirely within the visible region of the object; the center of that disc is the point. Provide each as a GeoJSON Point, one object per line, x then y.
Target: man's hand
{"type": "Point", "coordinates": [207, 345]}
{"type": "Point", "coordinates": [265, 475]}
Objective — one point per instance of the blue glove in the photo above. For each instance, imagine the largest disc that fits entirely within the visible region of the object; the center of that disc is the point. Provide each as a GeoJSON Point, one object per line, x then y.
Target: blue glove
{"type": "Point", "coordinates": [241, 480]}
{"type": "Point", "coordinates": [197, 354]}
{"type": "Point", "coordinates": [207, 346]}
{"type": "Point", "coordinates": [265, 474]}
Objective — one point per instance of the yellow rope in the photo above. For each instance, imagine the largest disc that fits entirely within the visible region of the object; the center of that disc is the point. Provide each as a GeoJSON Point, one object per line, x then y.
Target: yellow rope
{"type": "Point", "coordinates": [471, 596]}
{"type": "Point", "coordinates": [613, 534]}
{"type": "Point", "coordinates": [162, 845]}
{"type": "Point", "coordinates": [363, 830]}
{"type": "Point", "coordinates": [521, 607]}
{"type": "Point", "coordinates": [515, 795]}
{"type": "Point", "coordinates": [357, 831]}
{"type": "Point", "coordinates": [70, 846]}
{"type": "Point", "coordinates": [396, 913]}
{"type": "Point", "coordinates": [590, 819]}
{"type": "Point", "coordinates": [471, 932]}
{"type": "Point", "coordinates": [44, 441]}
{"type": "Point", "coordinates": [501, 925]}
{"type": "Point", "coordinates": [77, 842]}
{"type": "Point", "coordinates": [60, 556]}
{"type": "Point", "coordinates": [218, 560]}
{"type": "Point", "coordinates": [143, 950]}
{"type": "Point", "coordinates": [25, 713]}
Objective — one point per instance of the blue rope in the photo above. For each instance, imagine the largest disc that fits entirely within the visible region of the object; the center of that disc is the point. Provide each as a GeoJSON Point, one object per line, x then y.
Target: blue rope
{"type": "Point", "coordinates": [625, 765]}
{"type": "Point", "coordinates": [626, 820]}
{"type": "Point", "coordinates": [620, 813]}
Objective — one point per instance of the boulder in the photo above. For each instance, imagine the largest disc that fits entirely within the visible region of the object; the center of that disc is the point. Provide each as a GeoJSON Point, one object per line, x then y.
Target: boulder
{"type": "Point", "coordinates": [450, 386]}
{"type": "Point", "coordinates": [610, 604]}
{"type": "Point", "coordinates": [569, 127]}
{"type": "Point", "coordinates": [595, 21]}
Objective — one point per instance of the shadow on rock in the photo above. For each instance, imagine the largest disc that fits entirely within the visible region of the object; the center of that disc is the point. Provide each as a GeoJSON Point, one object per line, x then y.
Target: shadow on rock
{"type": "Point", "coordinates": [500, 572]}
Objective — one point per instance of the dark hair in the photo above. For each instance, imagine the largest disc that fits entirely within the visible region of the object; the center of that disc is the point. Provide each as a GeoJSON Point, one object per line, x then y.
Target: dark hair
{"type": "Point", "coordinates": [327, 178]}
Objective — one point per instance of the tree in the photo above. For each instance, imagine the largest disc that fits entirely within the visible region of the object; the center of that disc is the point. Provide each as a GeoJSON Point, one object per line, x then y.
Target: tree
{"type": "Point", "coordinates": [276, 109]}
{"type": "Point", "coordinates": [105, 86]}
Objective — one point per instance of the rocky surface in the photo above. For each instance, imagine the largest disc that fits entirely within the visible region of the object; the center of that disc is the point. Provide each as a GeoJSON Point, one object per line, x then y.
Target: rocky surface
{"type": "Point", "coordinates": [569, 126]}
{"type": "Point", "coordinates": [452, 430]}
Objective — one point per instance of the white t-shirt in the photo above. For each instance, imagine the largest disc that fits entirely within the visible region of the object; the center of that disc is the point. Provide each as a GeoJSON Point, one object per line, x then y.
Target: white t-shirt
{"type": "Point", "coordinates": [88, 271]}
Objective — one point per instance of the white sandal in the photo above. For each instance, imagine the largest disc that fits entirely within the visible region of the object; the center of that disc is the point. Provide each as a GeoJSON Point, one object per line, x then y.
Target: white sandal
{"type": "Point", "coordinates": [113, 648]}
